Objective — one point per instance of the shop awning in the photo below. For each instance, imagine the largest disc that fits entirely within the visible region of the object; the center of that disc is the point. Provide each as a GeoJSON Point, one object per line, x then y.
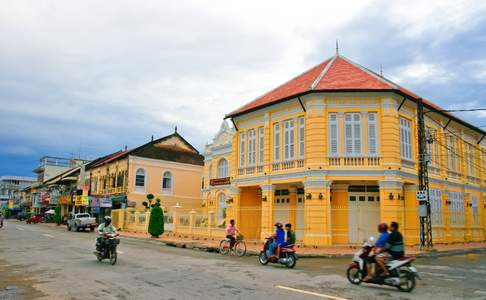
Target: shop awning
{"type": "Point", "coordinates": [119, 199]}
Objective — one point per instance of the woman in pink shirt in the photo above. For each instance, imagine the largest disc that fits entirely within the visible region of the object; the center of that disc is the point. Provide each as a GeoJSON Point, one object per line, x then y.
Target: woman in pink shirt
{"type": "Point", "coordinates": [231, 232]}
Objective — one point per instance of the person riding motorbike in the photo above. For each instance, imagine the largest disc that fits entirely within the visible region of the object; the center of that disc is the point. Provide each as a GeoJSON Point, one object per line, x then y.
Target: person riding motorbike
{"type": "Point", "coordinates": [278, 239]}
{"type": "Point", "coordinates": [231, 232]}
{"type": "Point", "coordinates": [105, 228]}
{"type": "Point", "coordinates": [379, 252]}
{"type": "Point", "coordinates": [290, 235]}
{"type": "Point", "coordinates": [394, 243]}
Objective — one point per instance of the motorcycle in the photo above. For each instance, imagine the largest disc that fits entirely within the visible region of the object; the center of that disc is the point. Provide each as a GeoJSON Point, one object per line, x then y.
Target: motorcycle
{"type": "Point", "coordinates": [108, 249]}
{"type": "Point", "coordinates": [402, 273]}
{"type": "Point", "coordinates": [286, 255]}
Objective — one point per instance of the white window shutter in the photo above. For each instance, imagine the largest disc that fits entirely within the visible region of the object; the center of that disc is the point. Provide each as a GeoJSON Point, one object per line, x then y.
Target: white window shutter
{"type": "Point", "coordinates": [357, 134]}
{"type": "Point", "coordinates": [333, 135]}
{"type": "Point", "coordinates": [372, 135]}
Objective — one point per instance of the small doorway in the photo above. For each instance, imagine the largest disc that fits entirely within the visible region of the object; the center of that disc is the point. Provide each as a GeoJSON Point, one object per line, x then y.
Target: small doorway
{"type": "Point", "coordinates": [281, 210]}
{"type": "Point", "coordinates": [364, 216]}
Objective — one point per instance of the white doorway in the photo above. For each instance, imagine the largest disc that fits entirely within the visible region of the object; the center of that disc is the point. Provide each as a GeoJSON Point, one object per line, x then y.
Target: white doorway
{"type": "Point", "coordinates": [299, 218]}
{"type": "Point", "coordinates": [364, 216]}
{"type": "Point", "coordinates": [281, 209]}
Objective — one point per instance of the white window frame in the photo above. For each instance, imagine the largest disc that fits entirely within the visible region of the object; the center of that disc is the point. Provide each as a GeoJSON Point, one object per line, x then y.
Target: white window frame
{"type": "Point", "coordinates": [301, 121]}
{"type": "Point", "coordinates": [372, 130]}
{"type": "Point", "coordinates": [276, 142]}
{"type": "Point", "coordinates": [169, 190]}
{"type": "Point", "coordinates": [261, 145]}
{"type": "Point", "coordinates": [333, 134]}
{"type": "Point", "coordinates": [436, 207]}
{"type": "Point", "coordinates": [456, 208]}
{"type": "Point", "coordinates": [223, 168]}
{"type": "Point", "coordinates": [251, 142]}
{"type": "Point", "coordinates": [406, 139]}
{"type": "Point", "coordinates": [470, 156]}
{"type": "Point", "coordinates": [475, 211]}
{"type": "Point", "coordinates": [221, 206]}
{"type": "Point", "coordinates": [289, 140]}
{"type": "Point", "coordinates": [452, 153]}
{"type": "Point", "coordinates": [140, 188]}
{"type": "Point", "coordinates": [353, 135]}
{"type": "Point", "coordinates": [242, 149]}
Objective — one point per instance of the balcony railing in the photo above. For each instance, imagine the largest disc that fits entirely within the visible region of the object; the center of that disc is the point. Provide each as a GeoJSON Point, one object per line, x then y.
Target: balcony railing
{"type": "Point", "coordinates": [354, 161]}
{"type": "Point", "coordinates": [453, 174]}
{"type": "Point", "coordinates": [288, 164]}
{"type": "Point", "coordinates": [473, 179]}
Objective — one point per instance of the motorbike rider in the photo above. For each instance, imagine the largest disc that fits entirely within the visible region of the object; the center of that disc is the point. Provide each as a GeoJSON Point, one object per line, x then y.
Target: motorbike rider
{"type": "Point", "coordinates": [290, 235]}
{"type": "Point", "coordinates": [105, 228]}
{"type": "Point", "coordinates": [278, 239]}
{"type": "Point", "coordinates": [379, 252]}
{"type": "Point", "coordinates": [231, 232]}
{"type": "Point", "coordinates": [394, 243]}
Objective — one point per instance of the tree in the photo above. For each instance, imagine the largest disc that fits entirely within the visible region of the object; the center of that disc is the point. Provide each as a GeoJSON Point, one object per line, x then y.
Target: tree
{"type": "Point", "coordinates": [156, 222]}
{"type": "Point", "coordinates": [57, 215]}
{"type": "Point", "coordinates": [150, 198]}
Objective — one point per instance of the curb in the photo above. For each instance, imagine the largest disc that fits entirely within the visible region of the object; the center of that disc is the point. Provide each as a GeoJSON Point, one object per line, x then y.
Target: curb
{"type": "Point", "coordinates": [202, 247]}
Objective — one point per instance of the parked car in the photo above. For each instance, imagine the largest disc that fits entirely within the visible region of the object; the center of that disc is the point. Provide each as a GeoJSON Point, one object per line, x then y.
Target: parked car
{"type": "Point", "coordinates": [23, 216]}
{"type": "Point", "coordinates": [81, 221]}
{"type": "Point", "coordinates": [34, 219]}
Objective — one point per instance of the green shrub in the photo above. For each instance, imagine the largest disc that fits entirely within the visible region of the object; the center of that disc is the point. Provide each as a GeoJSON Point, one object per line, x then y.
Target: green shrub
{"type": "Point", "coordinates": [156, 222]}
{"type": "Point", "coordinates": [57, 215]}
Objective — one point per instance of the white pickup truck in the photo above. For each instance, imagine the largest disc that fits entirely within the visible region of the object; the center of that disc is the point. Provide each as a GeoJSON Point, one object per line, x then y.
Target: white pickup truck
{"type": "Point", "coordinates": [81, 221]}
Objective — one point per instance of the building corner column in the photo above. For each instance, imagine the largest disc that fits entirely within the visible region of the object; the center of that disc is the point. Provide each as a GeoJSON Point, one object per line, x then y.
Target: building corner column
{"type": "Point", "coordinates": [317, 211]}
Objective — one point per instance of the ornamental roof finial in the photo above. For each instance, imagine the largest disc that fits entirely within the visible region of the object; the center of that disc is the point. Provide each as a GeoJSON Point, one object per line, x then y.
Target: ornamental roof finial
{"type": "Point", "coordinates": [337, 47]}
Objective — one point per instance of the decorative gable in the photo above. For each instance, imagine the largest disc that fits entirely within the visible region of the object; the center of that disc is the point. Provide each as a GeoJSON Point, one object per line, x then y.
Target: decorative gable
{"type": "Point", "coordinates": [174, 143]}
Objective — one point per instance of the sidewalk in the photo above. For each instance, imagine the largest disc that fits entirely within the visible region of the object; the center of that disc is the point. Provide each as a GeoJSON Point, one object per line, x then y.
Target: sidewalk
{"type": "Point", "coordinates": [253, 248]}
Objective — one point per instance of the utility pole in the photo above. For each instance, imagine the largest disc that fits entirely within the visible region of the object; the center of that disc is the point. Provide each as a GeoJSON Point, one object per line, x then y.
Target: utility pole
{"type": "Point", "coordinates": [423, 195]}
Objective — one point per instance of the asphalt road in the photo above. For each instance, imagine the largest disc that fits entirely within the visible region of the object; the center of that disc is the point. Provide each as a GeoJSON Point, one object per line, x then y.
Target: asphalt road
{"type": "Point", "coordinates": [41, 261]}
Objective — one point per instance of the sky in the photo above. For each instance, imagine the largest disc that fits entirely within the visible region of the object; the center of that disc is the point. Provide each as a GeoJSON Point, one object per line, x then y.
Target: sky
{"type": "Point", "coordinates": [86, 78]}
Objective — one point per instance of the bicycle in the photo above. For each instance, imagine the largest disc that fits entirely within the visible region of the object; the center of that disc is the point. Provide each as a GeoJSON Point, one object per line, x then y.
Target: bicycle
{"type": "Point", "coordinates": [239, 248]}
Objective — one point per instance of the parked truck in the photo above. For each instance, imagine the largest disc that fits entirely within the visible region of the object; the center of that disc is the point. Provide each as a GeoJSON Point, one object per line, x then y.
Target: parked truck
{"type": "Point", "coordinates": [81, 221]}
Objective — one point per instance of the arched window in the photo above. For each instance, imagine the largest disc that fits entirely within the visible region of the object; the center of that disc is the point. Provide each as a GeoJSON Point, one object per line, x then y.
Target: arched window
{"type": "Point", "coordinates": [167, 182]}
{"type": "Point", "coordinates": [223, 168]}
{"type": "Point", "coordinates": [140, 179]}
{"type": "Point", "coordinates": [221, 208]}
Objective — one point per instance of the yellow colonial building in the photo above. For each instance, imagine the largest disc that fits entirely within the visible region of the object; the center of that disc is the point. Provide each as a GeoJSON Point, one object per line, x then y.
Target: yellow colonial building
{"type": "Point", "coordinates": [334, 152]}
{"type": "Point", "coordinates": [169, 168]}
{"type": "Point", "coordinates": [216, 183]}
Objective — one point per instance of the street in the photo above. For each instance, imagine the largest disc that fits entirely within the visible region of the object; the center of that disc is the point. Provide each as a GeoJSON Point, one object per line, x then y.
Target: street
{"type": "Point", "coordinates": [41, 261]}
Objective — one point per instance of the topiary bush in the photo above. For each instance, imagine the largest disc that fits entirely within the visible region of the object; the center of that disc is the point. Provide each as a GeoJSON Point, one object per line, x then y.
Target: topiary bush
{"type": "Point", "coordinates": [57, 215]}
{"type": "Point", "coordinates": [156, 222]}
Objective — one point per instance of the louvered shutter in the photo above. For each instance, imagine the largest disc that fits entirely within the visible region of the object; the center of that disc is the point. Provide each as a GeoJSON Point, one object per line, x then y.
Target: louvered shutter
{"type": "Point", "coordinates": [372, 135]}
{"type": "Point", "coordinates": [357, 134]}
{"type": "Point", "coordinates": [333, 135]}
{"type": "Point", "coordinates": [348, 134]}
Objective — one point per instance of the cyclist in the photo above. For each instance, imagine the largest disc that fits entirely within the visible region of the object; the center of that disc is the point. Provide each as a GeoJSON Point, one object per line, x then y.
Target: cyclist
{"type": "Point", "coordinates": [231, 232]}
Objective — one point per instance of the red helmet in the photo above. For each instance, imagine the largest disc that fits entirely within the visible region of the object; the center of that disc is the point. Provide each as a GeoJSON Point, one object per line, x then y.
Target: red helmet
{"type": "Point", "coordinates": [382, 227]}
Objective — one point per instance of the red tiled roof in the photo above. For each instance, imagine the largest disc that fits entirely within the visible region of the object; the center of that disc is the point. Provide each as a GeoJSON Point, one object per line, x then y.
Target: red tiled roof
{"type": "Point", "coordinates": [334, 74]}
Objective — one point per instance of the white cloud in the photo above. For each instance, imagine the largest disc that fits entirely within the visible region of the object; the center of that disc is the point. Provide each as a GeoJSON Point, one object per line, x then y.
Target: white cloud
{"type": "Point", "coordinates": [116, 72]}
{"type": "Point", "coordinates": [418, 73]}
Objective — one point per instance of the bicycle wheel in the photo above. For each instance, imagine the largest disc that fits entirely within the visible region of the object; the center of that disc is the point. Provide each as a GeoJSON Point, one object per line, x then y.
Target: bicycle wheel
{"type": "Point", "coordinates": [240, 248]}
{"type": "Point", "coordinates": [224, 247]}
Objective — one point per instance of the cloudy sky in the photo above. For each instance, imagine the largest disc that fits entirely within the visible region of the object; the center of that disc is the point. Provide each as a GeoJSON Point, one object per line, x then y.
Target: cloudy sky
{"type": "Point", "coordinates": [88, 77]}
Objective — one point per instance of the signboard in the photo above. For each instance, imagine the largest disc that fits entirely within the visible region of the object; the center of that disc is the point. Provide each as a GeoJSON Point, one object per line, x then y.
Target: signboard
{"type": "Point", "coordinates": [105, 202]}
{"type": "Point", "coordinates": [78, 200]}
{"type": "Point", "coordinates": [421, 195]}
{"type": "Point", "coordinates": [65, 200]}
{"type": "Point", "coordinates": [94, 202]}
{"type": "Point", "coordinates": [85, 200]}
{"type": "Point", "coordinates": [219, 181]}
